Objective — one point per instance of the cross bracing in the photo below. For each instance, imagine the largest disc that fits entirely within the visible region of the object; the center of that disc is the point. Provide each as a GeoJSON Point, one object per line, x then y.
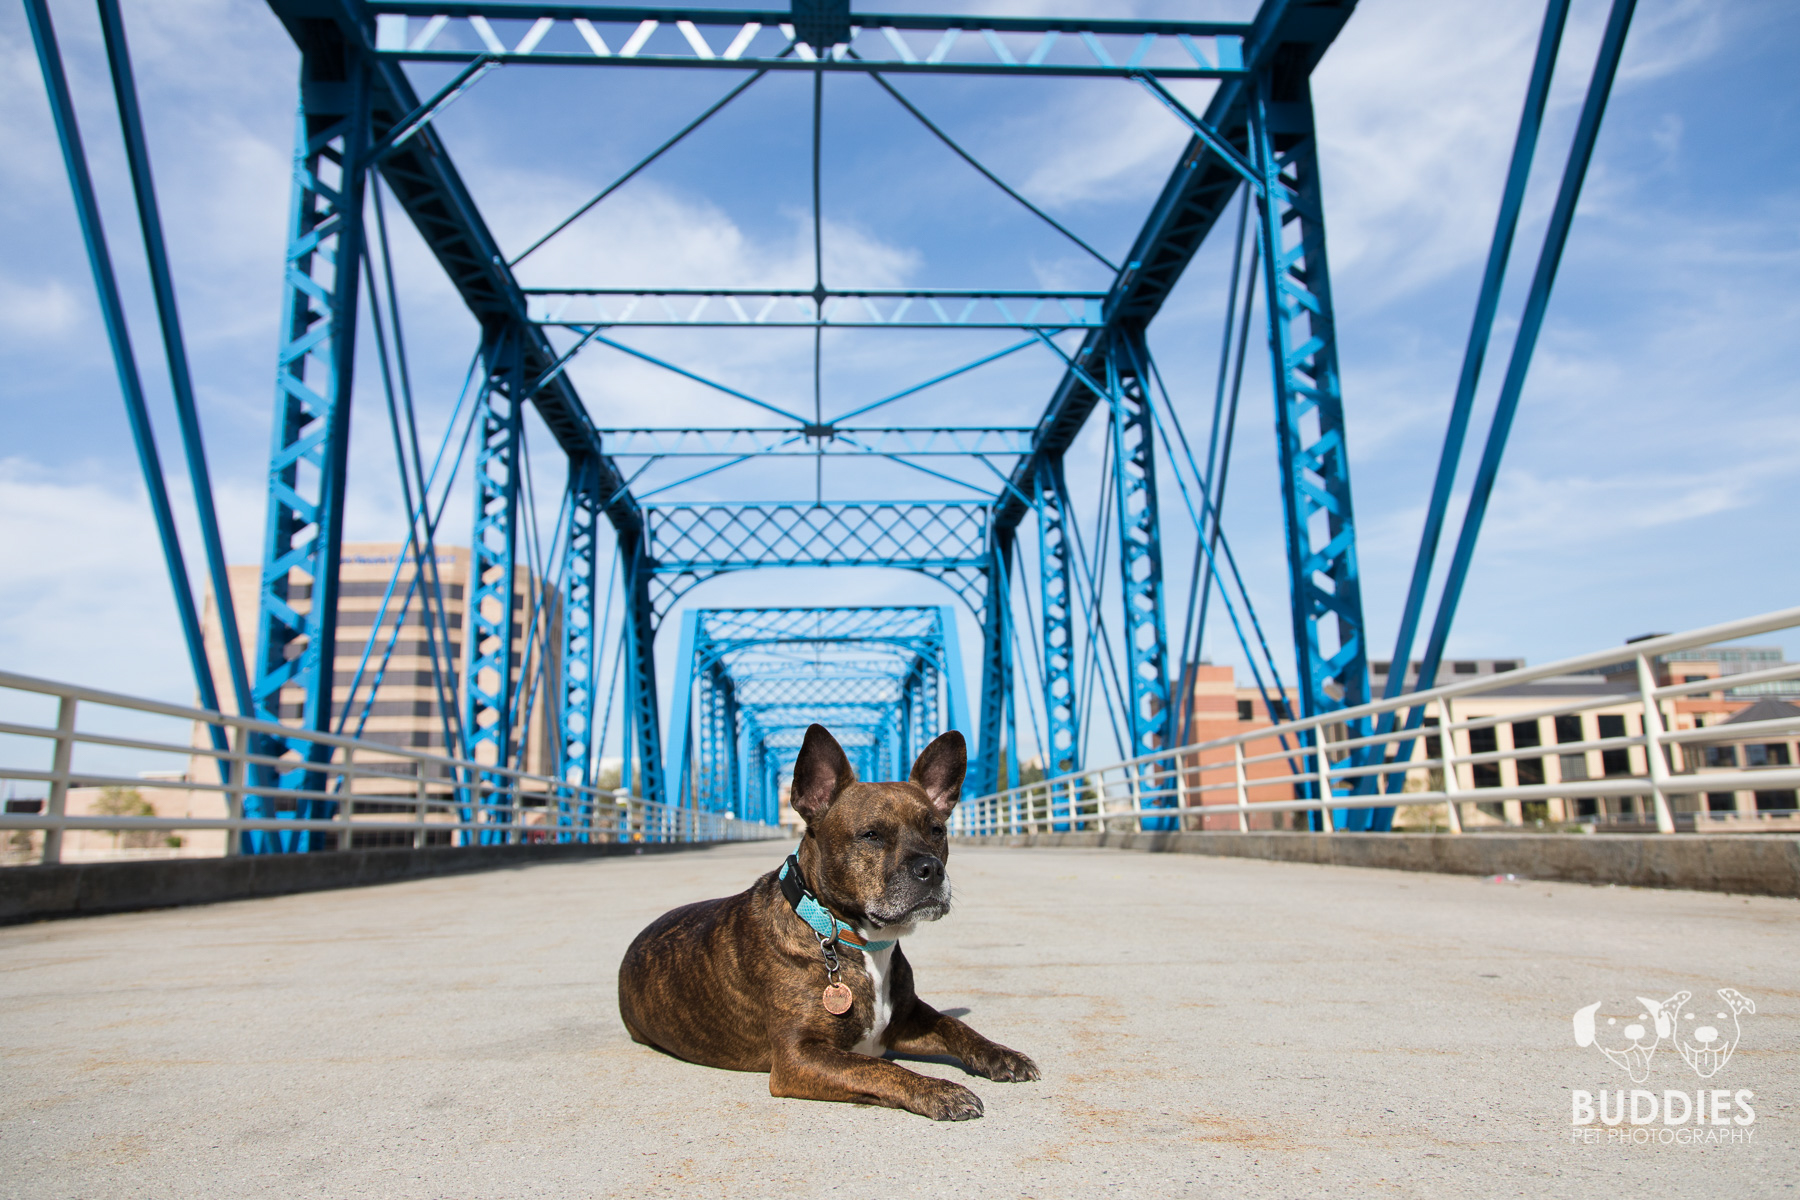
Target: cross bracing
{"type": "Point", "coordinates": [1073, 609]}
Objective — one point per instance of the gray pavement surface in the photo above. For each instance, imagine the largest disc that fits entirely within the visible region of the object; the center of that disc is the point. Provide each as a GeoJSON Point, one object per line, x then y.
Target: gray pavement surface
{"type": "Point", "coordinates": [1205, 1026]}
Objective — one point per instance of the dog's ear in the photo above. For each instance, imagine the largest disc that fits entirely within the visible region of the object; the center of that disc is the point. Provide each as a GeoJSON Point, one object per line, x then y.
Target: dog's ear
{"type": "Point", "coordinates": [820, 773]}
{"type": "Point", "coordinates": [939, 770]}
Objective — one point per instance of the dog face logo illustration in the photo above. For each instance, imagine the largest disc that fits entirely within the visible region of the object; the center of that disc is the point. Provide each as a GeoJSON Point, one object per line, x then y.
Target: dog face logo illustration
{"type": "Point", "coordinates": [1706, 1035]}
{"type": "Point", "coordinates": [1628, 1033]}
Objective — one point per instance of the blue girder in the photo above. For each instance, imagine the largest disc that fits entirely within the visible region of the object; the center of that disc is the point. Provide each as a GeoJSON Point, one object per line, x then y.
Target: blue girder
{"type": "Point", "coordinates": [1062, 716]}
{"type": "Point", "coordinates": [489, 664]}
{"type": "Point", "coordinates": [596, 35]}
{"type": "Point", "coordinates": [1330, 638]}
{"type": "Point", "coordinates": [303, 532]}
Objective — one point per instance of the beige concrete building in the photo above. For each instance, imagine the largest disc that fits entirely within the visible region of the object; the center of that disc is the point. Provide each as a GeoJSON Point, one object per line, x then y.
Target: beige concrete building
{"type": "Point", "coordinates": [407, 709]}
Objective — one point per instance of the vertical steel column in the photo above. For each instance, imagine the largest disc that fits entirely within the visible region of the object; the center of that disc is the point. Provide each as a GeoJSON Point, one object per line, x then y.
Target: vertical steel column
{"type": "Point", "coordinates": [1140, 552]}
{"type": "Point", "coordinates": [681, 712]}
{"type": "Point", "coordinates": [1054, 582]}
{"type": "Point", "coordinates": [303, 532]}
{"type": "Point", "coordinates": [1309, 409]}
{"type": "Point", "coordinates": [580, 624]}
{"type": "Point", "coordinates": [730, 796]}
{"type": "Point", "coordinates": [996, 668]}
{"type": "Point", "coordinates": [644, 726]}
{"type": "Point", "coordinates": [488, 666]}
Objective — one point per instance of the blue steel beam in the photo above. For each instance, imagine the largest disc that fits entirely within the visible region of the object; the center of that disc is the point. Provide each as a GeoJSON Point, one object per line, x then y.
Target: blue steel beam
{"type": "Point", "coordinates": [1531, 324]}
{"type": "Point", "coordinates": [760, 308]}
{"type": "Point", "coordinates": [162, 281]}
{"type": "Point", "coordinates": [1323, 576]}
{"type": "Point", "coordinates": [303, 529]}
{"type": "Point", "coordinates": [580, 627]}
{"type": "Point", "coordinates": [592, 35]}
{"type": "Point", "coordinates": [1506, 223]}
{"type": "Point", "coordinates": [1057, 589]}
{"type": "Point", "coordinates": [489, 666]}
{"type": "Point", "coordinates": [908, 442]}
{"type": "Point", "coordinates": [996, 733]}
{"type": "Point", "coordinates": [1140, 553]}
{"type": "Point", "coordinates": [112, 311]}
{"type": "Point", "coordinates": [643, 725]}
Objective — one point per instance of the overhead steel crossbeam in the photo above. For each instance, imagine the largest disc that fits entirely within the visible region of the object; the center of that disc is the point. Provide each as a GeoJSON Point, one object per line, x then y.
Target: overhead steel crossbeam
{"type": "Point", "coordinates": [690, 543]}
{"type": "Point", "coordinates": [582, 308]}
{"type": "Point", "coordinates": [834, 40]}
{"type": "Point", "coordinates": [909, 442]}
{"type": "Point", "coordinates": [749, 681]}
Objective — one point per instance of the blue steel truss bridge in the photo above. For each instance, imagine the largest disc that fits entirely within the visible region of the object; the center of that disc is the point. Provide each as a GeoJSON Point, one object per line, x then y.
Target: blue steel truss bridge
{"type": "Point", "coordinates": [1084, 627]}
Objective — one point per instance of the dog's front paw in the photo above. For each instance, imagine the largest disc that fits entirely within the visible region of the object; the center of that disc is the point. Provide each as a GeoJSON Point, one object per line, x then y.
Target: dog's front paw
{"type": "Point", "coordinates": [996, 1062]}
{"type": "Point", "coordinates": [946, 1101]}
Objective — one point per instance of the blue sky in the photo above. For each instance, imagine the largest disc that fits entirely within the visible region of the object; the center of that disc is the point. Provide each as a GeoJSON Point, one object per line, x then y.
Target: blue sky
{"type": "Point", "coordinates": [1649, 483]}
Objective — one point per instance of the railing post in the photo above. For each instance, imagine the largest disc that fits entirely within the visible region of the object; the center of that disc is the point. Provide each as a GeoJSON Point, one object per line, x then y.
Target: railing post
{"type": "Point", "coordinates": [1243, 791]}
{"type": "Point", "coordinates": [346, 806]}
{"type": "Point", "coordinates": [1447, 752]}
{"type": "Point", "coordinates": [1321, 747]}
{"type": "Point", "coordinates": [419, 805]}
{"type": "Point", "coordinates": [234, 791]}
{"type": "Point", "coordinates": [59, 783]}
{"type": "Point", "coordinates": [1655, 765]}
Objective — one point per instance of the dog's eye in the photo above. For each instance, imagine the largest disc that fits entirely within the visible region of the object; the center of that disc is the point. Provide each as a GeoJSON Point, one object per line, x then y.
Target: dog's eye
{"type": "Point", "coordinates": [872, 836]}
{"type": "Point", "coordinates": [937, 831]}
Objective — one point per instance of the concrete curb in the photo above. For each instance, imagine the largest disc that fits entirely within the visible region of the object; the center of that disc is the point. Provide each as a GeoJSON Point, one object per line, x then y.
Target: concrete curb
{"type": "Point", "coordinates": [1762, 864]}
{"type": "Point", "coordinates": [88, 889]}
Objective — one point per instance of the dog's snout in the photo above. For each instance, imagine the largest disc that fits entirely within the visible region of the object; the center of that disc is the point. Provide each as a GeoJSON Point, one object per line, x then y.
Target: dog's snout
{"type": "Point", "coordinates": [927, 868]}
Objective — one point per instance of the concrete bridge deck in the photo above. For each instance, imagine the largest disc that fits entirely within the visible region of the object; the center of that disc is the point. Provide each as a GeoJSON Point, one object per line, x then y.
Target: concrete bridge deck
{"type": "Point", "coordinates": [1205, 1026]}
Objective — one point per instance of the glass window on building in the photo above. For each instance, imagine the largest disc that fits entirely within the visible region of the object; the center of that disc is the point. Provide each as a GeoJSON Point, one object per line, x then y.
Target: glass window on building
{"type": "Point", "coordinates": [1721, 756]}
{"type": "Point", "coordinates": [1776, 801]}
{"type": "Point", "coordinates": [1721, 802]}
{"type": "Point", "coordinates": [1484, 741]}
{"type": "Point", "coordinates": [1771, 754]}
{"type": "Point", "coordinates": [1525, 735]}
{"type": "Point", "coordinates": [1614, 762]}
{"type": "Point", "coordinates": [1568, 729]}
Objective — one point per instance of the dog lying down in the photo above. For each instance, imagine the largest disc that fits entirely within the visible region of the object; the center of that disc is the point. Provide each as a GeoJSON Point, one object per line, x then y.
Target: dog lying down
{"type": "Point", "coordinates": [803, 976]}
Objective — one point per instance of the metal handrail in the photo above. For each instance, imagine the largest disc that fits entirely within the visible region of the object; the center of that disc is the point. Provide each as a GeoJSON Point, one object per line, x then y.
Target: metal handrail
{"type": "Point", "coordinates": [483, 803]}
{"type": "Point", "coordinates": [1164, 783]}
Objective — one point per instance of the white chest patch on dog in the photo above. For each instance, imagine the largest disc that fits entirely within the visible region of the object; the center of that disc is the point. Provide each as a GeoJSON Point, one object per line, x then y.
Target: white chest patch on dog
{"type": "Point", "coordinates": [879, 965]}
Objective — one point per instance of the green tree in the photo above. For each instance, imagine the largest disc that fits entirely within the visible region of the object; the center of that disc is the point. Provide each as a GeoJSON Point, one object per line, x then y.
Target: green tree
{"type": "Point", "coordinates": [126, 802]}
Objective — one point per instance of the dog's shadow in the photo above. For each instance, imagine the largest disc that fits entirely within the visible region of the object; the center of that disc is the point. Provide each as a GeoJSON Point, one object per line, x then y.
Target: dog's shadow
{"type": "Point", "coordinates": [942, 1060]}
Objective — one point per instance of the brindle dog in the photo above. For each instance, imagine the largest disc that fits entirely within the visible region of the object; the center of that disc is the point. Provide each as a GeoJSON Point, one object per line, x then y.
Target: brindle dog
{"type": "Point", "coordinates": [739, 983]}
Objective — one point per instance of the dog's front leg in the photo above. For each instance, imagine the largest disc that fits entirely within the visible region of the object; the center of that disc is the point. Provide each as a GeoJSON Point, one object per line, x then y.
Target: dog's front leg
{"type": "Point", "coordinates": [925, 1030]}
{"type": "Point", "coordinates": [810, 1070]}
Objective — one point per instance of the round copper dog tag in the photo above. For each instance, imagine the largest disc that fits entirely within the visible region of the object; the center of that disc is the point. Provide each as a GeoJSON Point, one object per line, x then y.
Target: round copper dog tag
{"type": "Point", "coordinates": [837, 999]}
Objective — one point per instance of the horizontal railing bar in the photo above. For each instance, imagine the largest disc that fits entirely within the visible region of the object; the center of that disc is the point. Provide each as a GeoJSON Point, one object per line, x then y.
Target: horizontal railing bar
{"type": "Point", "coordinates": [1725, 683]}
{"type": "Point", "coordinates": [28, 683]}
{"type": "Point", "coordinates": [1727, 631]}
{"type": "Point", "coordinates": [1612, 785]}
